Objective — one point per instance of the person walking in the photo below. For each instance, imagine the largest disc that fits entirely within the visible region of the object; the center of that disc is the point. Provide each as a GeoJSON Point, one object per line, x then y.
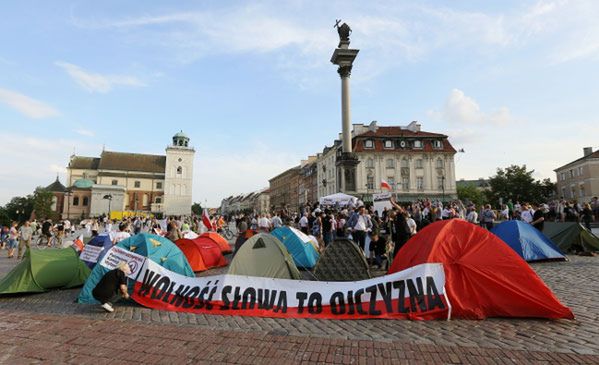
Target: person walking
{"type": "Point", "coordinates": [13, 235]}
{"type": "Point", "coordinates": [25, 235]}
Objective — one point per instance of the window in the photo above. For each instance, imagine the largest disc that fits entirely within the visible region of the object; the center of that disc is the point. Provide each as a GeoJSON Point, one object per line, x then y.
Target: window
{"type": "Point", "coordinates": [404, 163]}
{"type": "Point", "coordinates": [137, 184]}
{"type": "Point", "coordinates": [115, 182]}
{"type": "Point", "coordinates": [391, 181]}
{"type": "Point", "coordinates": [159, 185]}
{"type": "Point", "coordinates": [419, 163]}
{"type": "Point", "coordinates": [563, 192]}
{"type": "Point", "coordinates": [571, 174]}
{"type": "Point", "coordinates": [581, 191]}
{"type": "Point", "coordinates": [417, 143]}
{"type": "Point", "coordinates": [388, 144]}
{"type": "Point", "coordinates": [370, 163]}
{"type": "Point", "coordinates": [158, 200]}
{"type": "Point", "coordinates": [437, 144]}
{"type": "Point", "coordinates": [439, 163]}
{"type": "Point", "coordinates": [563, 176]}
{"type": "Point", "coordinates": [405, 183]}
{"type": "Point", "coordinates": [76, 201]}
{"type": "Point", "coordinates": [390, 163]}
{"type": "Point", "coordinates": [579, 170]}
{"type": "Point", "coordinates": [179, 170]}
{"type": "Point", "coordinates": [368, 143]}
{"type": "Point", "coordinates": [85, 201]}
{"type": "Point", "coordinates": [420, 183]}
{"type": "Point", "coordinates": [370, 182]}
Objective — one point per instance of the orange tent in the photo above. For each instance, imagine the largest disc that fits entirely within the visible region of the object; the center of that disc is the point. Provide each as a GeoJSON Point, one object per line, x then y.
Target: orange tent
{"type": "Point", "coordinates": [219, 240]}
{"type": "Point", "coordinates": [484, 277]}
{"type": "Point", "coordinates": [202, 254]}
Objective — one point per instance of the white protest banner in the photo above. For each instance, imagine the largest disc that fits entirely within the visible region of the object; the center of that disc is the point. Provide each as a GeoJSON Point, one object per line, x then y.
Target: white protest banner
{"type": "Point", "coordinates": [415, 293]}
{"type": "Point", "coordinates": [116, 254]}
{"type": "Point", "coordinates": [381, 201]}
{"type": "Point", "coordinates": [91, 253]}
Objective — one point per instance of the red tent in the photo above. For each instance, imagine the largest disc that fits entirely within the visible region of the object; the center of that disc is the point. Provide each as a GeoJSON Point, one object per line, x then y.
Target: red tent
{"type": "Point", "coordinates": [202, 254]}
{"type": "Point", "coordinates": [484, 277]}
{"type": "Point", "coordinates": [219, 240]}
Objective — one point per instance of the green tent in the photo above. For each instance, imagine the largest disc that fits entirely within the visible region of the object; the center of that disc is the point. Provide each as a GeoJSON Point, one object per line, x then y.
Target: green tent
{"type": "Point", "coordinates": [342, 260]}
{"type": "Point", "coordinates": [571, 236]}
{"type": "Point", "coordinates": [265, 256]}
{"type": "Point", "coordinates": [42, 270]}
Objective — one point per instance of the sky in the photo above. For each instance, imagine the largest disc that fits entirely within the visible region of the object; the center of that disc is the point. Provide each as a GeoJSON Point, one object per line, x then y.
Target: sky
{"type": "Point", "coordinates": [251, 83]}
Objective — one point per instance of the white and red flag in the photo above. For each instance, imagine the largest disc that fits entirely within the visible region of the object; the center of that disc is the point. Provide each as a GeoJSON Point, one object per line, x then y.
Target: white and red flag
{"type": "Point", "coordinates": [206, 220]}
{"type": "Point", "coordinates": [385, 185]}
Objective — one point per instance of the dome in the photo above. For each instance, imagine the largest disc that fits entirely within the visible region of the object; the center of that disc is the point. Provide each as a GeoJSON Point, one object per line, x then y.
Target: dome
{"type": "Point", "coordinates": [180, 135]}
{"type": "Point", "coordinates": [83, 184]}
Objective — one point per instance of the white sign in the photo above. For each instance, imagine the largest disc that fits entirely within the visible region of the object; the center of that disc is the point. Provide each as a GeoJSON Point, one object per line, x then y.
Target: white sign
{"type": "Point", "coordinates": [381, 201]}
{"type": "Point", "coordinates": [116, 254]}
{"type": "Point", "coordinates": [91, 253]}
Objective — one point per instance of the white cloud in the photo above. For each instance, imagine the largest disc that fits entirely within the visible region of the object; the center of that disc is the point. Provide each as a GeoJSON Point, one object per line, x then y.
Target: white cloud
{"type": "Point", "coordinates": [464, 110]}
{"type": "Point", "coordinates": [28, 106]}
{"type": "Point", "coordinates": [85, 132]}
{"type": "Point", "coordinates": [39, 159]}
{"type": "Point", "coordinates": [95, 82]}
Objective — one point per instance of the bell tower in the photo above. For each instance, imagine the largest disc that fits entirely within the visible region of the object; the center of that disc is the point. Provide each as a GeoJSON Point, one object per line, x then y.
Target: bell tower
{"type": "Point", "coordinates": [178, 176]}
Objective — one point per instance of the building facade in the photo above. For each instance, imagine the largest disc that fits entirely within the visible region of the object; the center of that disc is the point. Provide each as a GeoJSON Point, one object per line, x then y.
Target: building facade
{"type": "Point", "coordinates": [257, 202]}
{"type": "Point", "coordinates": [118, 181]}
{"type": "Point", "coordinates": [579, 179]}
{"type": "Point", "coordinates": [415, 163]}
{"type": "Point", "coordinates": [284, 190]}
{"type": "Point", "coordinates": [308, 184]}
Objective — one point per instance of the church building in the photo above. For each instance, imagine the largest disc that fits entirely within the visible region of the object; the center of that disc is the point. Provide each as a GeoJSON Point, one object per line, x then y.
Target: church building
{"type": "Point", "coordinates": [119, 181]}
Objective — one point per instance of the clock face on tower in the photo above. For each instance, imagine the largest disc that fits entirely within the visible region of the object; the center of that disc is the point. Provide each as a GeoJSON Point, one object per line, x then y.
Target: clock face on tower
{"type": "Point", "coordinates": [180, 159]}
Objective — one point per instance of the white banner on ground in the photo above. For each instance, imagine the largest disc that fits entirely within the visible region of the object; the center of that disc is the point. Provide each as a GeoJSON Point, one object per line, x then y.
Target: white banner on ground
{"type": "Point", "coordinates": [91, 253]}
{"type": "Point", "coordinates": [415, 293]}
{"type": "Point", "coordinates": [381, 201]}
{"type": "Point", "coordinates": [116, 254]}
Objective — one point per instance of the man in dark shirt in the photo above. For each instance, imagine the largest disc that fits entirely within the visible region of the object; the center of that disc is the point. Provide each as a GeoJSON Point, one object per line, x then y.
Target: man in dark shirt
{"type": "Point", "coordinates": [107, 289]}
{"type": "Point", "coordinates": [538, 218]}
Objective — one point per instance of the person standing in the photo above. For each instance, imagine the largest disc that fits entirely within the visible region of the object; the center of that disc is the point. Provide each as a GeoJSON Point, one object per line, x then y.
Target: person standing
{"type": "Point", "coordinates": [122, 234]}
{"type": "Point", "coordinates": [526, 213]}
{"type": "Point", "coordinates": [303, 223]}
{"type": "Point", "coordinates": [25, 235]}
{"type": "Point", "coordinates": [488, 217]}
{"type": "Point", "coordinates": [587, 216]}
{"type": "Point", "coordinates": [328, 222]}
{"type": "Point", "coordinates": [538, 218]}
{"type": "Point", "coordinates": [13, 235]}
{"type": "Point", "coordinates": [359, 223]}
{"type": "Point", "coordinates": [472, 216]}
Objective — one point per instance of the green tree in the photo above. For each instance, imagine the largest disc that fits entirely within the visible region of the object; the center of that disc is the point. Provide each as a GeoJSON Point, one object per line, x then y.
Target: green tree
{"type": "Point", "coordinates": [470, 193]}
{"type": "Point", "coordinates": [42, 203]}
{"type": "Point", "coordinates": [196, 208]}
{"type": "Point", "coordinates": [517, 183]}
{"type": "Point", "coordinates": [19, 208]}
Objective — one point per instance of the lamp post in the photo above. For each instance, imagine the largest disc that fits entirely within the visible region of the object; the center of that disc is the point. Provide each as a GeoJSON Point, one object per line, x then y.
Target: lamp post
{"type": "Point", "coordinates": [443, 188]}
{"type": "Point", "coordinates": [68, 194]}
{"type": "Point", "coordinates": [109, 198]}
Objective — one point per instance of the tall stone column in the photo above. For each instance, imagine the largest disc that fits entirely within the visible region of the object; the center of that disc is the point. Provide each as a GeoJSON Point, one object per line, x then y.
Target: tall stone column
{"type": "Point", "coordinates": [346, 161]}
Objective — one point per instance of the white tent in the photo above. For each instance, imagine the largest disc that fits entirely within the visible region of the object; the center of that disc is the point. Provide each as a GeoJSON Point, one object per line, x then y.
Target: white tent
{"type": "Point", "coordinates": [339, 199]}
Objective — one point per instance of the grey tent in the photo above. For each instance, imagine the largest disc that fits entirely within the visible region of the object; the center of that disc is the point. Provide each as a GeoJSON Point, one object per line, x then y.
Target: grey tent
{"type": "Point", "coordinates": [571, 236]}
{"type": "Point", "coordinates": [265, 256]}
{"type": "Point", "coordinates": [342, 260]}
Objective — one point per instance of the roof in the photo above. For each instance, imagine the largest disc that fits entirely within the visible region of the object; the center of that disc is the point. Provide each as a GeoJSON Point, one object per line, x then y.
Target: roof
{"type": "Point", "coordinates": [132, 162]}
{"type": "Point", "coordinates": [181, 134]}
{"type": "Point", "coordinates": [398, 135]}
{"type": "Point", "coordinates": [592, 155]}
{"type": "Point", "coordinates": [56, 186]}
{"type": "Point", "coordinates": [295, 169]}
{"type": "Point", "coordinates": [84, 163]}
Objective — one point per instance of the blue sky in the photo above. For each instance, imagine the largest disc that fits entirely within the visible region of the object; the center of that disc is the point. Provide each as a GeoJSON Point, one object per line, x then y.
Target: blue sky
{"type": "Point", "coordinates": [251, 82]}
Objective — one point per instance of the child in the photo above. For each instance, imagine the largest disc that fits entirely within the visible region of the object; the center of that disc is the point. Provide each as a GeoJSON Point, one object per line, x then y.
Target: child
{"type": "Point", "coordinates": [378, 244]}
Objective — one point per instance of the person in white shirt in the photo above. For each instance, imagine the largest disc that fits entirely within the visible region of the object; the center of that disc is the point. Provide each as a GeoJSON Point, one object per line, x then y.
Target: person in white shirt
{"type": "Point", "coordinates": [526, 214]}
{"type": "Point", "coordinates": [263, 224]}
{"type": "Point", "coordinates": [67, 226]}
{"type": "Point", "coordinates": [412, 225]}
{"type": "Point", "coordinates": [472, 216]}
{"type": "Point", "coordinates": [122, 234]}
{"type": "Point", "coordinates": [276, 221]}
{"type": "Point", "coordinates": [303, 223]}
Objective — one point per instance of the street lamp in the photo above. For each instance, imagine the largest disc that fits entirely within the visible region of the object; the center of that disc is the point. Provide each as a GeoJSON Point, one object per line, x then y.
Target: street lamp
{"type": "Point", "coordinates": [109, 198]}
{"type": "Point", "coordinates": [443, 188]}
{"type": "Point", "coordinates": [68, 194]}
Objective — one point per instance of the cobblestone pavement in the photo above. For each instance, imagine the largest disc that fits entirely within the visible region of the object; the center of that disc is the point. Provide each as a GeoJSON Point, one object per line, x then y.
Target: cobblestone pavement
{"type": "Point", "coordinates": [574, 282]}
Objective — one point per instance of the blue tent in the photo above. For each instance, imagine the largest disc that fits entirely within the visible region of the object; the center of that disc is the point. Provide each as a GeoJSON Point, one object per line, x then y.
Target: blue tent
{"type": "Point", "coordinates": [156, 248]}
{"type": "Point", "coordinates": [527, 241]}
{"type": "Point", "coordinates": [103, 241]}
{"type": "Point", "coordinates": [299, 246]}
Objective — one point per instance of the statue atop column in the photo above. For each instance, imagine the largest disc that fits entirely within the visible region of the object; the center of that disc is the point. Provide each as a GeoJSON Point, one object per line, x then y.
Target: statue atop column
{"type": "Point", "coordinates": [344, 32]}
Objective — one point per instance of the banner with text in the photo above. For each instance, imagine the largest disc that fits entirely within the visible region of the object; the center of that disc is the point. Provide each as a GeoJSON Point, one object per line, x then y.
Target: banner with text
{"type": "Point", "coordinates": [116, 254]}
{"type": "Point", "coordinates": [415, 293]}
{"type": "Point", "coordinates": [381, 201]}
{"type": "Point", "coordinates": [91, 253]}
